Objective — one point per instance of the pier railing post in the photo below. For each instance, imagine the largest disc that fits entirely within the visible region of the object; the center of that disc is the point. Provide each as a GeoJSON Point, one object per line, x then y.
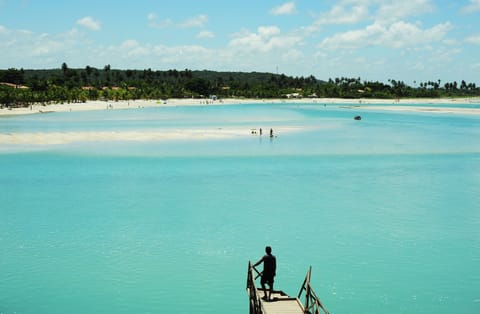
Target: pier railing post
{"type": "Point", "coordinates": [313, 305]}
{"type": "Point", "coordinates": [255, 305]}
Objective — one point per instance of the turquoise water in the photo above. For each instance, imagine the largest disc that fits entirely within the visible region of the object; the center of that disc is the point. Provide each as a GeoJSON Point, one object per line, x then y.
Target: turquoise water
{"type": "Point", "coordinates": [386, 211]}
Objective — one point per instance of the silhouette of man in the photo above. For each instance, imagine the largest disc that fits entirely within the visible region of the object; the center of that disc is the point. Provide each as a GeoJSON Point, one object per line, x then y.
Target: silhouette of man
{"type": "Point", "coordinates": [269, 271]}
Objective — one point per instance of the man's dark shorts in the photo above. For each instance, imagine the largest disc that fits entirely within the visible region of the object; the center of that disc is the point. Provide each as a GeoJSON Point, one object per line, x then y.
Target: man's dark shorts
{"type": "Point", "coordinates": [267, 279]}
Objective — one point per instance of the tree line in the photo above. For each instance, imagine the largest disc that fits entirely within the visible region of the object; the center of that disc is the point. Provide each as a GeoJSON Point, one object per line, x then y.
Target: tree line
{"type": "Point", "coordinates": [19, 87]}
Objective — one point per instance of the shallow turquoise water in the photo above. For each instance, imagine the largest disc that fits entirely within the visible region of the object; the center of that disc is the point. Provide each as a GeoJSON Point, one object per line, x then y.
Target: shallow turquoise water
{"type": "Point", "coordinates": [385, 210]}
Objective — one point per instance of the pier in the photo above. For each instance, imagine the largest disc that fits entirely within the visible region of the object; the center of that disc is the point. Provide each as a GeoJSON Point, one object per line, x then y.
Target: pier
{"type": "Point", "coordinates": [282, 303]}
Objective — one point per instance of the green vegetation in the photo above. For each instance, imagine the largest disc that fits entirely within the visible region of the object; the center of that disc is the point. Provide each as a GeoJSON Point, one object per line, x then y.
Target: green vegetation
{"type": "Point", "coordinates": [24, 87]}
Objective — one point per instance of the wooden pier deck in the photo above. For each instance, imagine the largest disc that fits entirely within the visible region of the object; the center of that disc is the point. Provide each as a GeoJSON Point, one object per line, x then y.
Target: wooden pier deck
{"type": "Point", "coordinates": [280, 302]}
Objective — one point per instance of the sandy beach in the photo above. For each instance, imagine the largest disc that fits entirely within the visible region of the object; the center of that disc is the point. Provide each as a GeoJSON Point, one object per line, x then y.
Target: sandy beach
{"type": "Point", "coordinates": [59, 138]}
{"type": "Point", "coordinates": [390, 104]}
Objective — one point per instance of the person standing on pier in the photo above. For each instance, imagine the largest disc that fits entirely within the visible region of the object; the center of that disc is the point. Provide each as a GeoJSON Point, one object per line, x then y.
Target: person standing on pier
{"type": "Point", "coordinates": [269, 271]}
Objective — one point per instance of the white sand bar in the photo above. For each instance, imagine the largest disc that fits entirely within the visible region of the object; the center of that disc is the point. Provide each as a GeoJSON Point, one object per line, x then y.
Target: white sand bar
{"type": "Point", "coordinates": [57, 138]}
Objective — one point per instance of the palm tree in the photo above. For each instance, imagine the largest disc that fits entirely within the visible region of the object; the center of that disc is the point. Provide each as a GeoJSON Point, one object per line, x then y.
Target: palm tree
{"type": "Point", "coordinates": [64, 68]}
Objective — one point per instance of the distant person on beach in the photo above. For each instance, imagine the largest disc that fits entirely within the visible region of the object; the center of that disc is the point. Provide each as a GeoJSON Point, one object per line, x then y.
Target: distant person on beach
{"type": "Point", "coordinates": [260, 131]}
{"type": "Point", "coordinates": [269, 271]}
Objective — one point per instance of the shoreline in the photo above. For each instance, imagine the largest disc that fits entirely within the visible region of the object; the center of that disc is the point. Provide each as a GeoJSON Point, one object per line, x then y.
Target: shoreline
{"type": "Point", "coordinates": [389, 104]}
{"type": "Point", "coordinates": [441, 106]}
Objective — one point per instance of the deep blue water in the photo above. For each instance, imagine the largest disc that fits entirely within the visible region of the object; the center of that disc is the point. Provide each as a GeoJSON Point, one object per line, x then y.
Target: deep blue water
{"type": "Point", "coordinates": [386, 211]}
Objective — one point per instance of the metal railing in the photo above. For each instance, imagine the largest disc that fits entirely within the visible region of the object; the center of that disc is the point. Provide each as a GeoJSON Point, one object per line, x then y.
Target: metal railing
{"type": "Point", "coordinates": [252, 275]}
{"type": "Point", "coordinates": [313, 305]}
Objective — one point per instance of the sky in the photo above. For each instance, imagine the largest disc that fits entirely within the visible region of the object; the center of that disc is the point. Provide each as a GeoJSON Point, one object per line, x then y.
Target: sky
{"type": "Point", "coordinates": [409, 40]}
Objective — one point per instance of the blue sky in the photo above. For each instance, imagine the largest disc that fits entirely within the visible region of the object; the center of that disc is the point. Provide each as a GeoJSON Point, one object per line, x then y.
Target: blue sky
{"type": "Point", "coordinates": [409, 40]}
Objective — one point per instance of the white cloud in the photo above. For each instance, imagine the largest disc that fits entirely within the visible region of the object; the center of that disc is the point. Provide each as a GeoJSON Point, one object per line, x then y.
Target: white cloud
{"type": "Point", "coordinates": [266, 39]}
{"type": "Point", "coordinates": [339, 14]}
{"type": "Point", "coordinates": [350, 12]}
{"type": "Point", "coordinates": [129, 44]}
{"type": "Point", "coordinates": [473, 7]}
{"type": "Point", "coordinates": [403, 34]}
{"type": "Point", "coordinates": [197, 21]}
{"type": "Point", "coordinates": [444, 55]}
{"type": "Point", "coordinates": [397, 10]}
{"type": "Point", "coordinates": [397, 35]}
{"type": "Point", "coordinates": [342, 13]}
{"type": "Point", "coordinates": [205, 34]}
{"type": "Point", "coordinates": [155, 23]}
{"type": "Point", "coordinates": [292, 55]}
{"type": "Point", "coordinates": [450, 42]}
{"type": "Point", "coordinates": [152, 17]}
{"type": "Point", "coordinates": [268, 31]}
{"type": "Point", "coordinates": [186, 56]}
{"type": "Point", "coordinates": [22, 48]}
{"type": "Point", "coordinates": [89, 23]}
{"type": "Point", "coordinates": [133, 48]}
{"type": "Point", "coordinates": [47, 45]}
{"type": "Point", "coordinates": [177, 51]}
{"type": "Point", "coordinates": [284, 9]}
{"type": "Point", "coordinates": [139, 52]}
{"type": "Point", "coordinates": [194, 22]}
{"type": "Point", "coordinates": [474, 39]}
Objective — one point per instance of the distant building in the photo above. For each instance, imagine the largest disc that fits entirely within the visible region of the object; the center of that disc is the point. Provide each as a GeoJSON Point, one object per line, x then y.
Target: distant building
{"type": "Point", "coordinates": [294, 95]}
